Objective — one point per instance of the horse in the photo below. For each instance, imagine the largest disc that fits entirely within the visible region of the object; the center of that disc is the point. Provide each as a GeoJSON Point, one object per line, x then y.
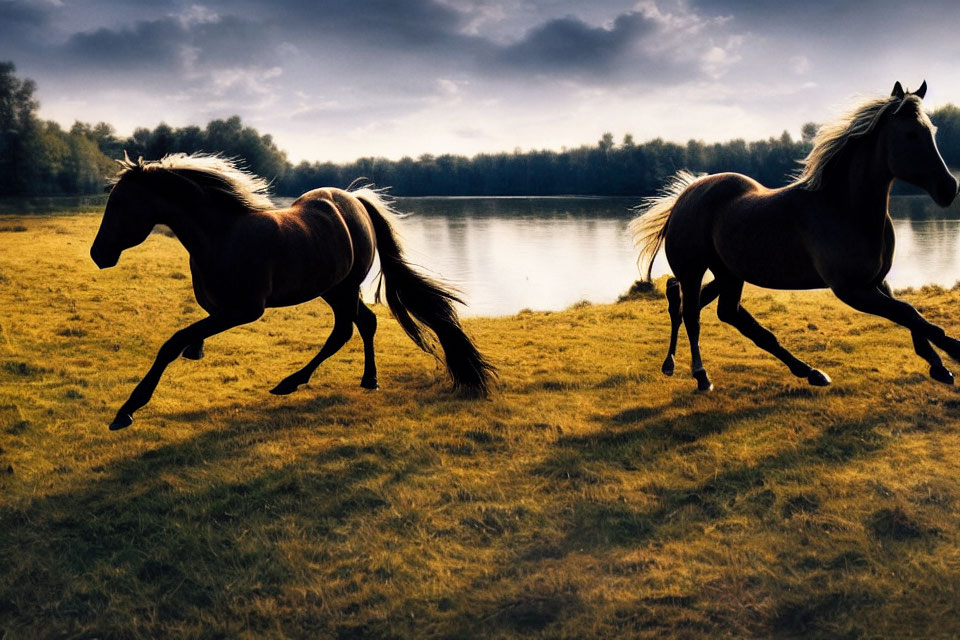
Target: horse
{"type": "Point", "coordinates": [247, 255]}
{"type": "Point", "coordinates": [829, 228]}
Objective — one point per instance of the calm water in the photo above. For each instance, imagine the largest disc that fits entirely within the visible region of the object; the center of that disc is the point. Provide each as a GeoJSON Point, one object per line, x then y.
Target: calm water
{"type": "Point", "coordinates": [508, 254]}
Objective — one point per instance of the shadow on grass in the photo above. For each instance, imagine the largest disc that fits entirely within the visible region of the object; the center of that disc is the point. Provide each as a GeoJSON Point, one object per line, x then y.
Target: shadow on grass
{"type": "Point", "coordinates": [159, 539]}
{"type": "Point", "coordinates": [134, 543]}
{"type": "Point", "coordinates": [596, 524]}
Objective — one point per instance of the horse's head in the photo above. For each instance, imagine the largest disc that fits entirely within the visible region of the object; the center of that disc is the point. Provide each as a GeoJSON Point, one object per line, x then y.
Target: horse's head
{"type": "Point", "coordinates": [127, 220]}
{"type": "Point", "coordinates": [912, 153]}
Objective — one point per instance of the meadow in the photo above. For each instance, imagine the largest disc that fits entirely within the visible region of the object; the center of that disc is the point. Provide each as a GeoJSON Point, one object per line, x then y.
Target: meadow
{"type": "Point", "coordinates": [589, 497]}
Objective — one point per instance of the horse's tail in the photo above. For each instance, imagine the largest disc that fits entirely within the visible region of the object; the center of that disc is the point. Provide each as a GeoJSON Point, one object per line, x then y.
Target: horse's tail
{"type": "Point", "coordinates": [418, 301]}
{"type": "Point", "coordinates": [649, 228]}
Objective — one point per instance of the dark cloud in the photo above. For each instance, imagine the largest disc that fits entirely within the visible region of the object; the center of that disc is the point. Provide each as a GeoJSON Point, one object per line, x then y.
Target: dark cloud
{"type": "Point", "coordinates": [569, 44]}
{"type": "Point", "coordinates": [20, 21]}
{"type": "Point", "coordinates": [415, 24]}
{"type": "Point", "coordinates": [147, 45]}
{"type": "Point", "coordinates": [482, 67]}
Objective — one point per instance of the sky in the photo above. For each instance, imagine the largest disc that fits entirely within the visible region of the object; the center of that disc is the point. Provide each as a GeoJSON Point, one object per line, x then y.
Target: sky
{"type": "Point", "coordinates": [341, 79]}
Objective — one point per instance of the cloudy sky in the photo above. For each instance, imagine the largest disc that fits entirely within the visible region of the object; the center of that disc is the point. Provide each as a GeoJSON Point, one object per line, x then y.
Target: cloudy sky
{"type": "Point", "coordinates": [339, 79]}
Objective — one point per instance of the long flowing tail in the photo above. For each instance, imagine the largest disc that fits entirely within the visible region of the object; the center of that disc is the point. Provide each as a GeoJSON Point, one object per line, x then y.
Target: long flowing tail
{"type": "Point", "coordinates": [650, 227]}
{"type": "Point", "coordinates": [418, 301]}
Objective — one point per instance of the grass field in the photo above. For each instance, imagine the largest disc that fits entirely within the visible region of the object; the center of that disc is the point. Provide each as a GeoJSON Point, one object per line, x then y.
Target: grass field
{"type": "Point", "coordinates": [591, 497]}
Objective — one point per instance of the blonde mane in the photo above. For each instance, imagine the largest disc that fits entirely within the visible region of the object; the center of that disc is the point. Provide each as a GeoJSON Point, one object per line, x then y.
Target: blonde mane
{"type": "Point", "coordinates": [831, 138]}
{"type": "Point", "coordinates": [207, 171]}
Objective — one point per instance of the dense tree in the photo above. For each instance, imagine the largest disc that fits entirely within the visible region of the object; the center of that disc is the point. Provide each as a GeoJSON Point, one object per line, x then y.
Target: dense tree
{"type": "Point", "coordinates": [38, 157]}
{"type": "Point", "coordinates": [604, 169]}
{"type": "Point", "coordinates": [19, 131]}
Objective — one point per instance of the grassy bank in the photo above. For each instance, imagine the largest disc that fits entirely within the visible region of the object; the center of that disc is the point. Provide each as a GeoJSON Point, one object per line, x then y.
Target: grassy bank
{"type": "Point", "coordinates": [591, 497]}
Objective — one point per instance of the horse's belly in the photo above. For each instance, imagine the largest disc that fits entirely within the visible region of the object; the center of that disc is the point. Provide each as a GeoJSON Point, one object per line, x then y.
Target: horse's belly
{"type": "Point", "coordinates": [770, 263]}
{"type": "Point", "coordinates": [301, 280]}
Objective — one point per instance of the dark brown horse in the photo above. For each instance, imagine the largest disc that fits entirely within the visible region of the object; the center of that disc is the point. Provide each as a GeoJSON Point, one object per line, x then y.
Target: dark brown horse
{"type": "Point", "coordinates": [829, 228]}
{"type": "Point", "coordinates": [246, 255]}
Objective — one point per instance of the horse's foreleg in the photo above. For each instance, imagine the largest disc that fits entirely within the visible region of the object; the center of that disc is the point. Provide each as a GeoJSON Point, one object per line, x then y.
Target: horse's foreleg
{"type": "Point", "coordinates": [194, 334]}
{"type": "Point", "coordinates": [344, 313]}
{"type": "Point", "coordinates": [730, 310]}
{"type": "Point", "coordinates": [707, 295]}
{"type": "Point", "coordinates": [193, 351]}
{"type": "Point", "coordinates": [876, 302]}
{"type": "Point", "coordinates": [367, 327]}
{"type": "Point", "coordinates": [923, 349]}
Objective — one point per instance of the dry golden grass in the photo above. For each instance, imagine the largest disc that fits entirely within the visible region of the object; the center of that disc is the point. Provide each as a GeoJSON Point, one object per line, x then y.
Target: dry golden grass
{"type": "Point", "coordinates": [591, 498]}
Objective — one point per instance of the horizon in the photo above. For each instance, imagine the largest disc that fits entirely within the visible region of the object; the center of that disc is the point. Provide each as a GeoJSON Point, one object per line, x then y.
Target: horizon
{"type": "Point", "coordinates": [465, 77]}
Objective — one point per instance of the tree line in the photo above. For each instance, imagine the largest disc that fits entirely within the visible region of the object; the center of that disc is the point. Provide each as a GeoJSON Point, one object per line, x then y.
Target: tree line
{"type": "Point", "coordinates": [41, 158]}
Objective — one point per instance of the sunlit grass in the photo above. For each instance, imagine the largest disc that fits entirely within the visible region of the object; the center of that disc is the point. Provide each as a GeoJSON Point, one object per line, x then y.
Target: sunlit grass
{"type": "Point", "coordinates": [591, 497]}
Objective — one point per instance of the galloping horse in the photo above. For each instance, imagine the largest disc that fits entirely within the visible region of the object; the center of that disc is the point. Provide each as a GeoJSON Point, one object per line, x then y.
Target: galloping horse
{"type": "Point", "coordinates": [246, 255]}
{"type": "Point", "coordinates": [829, 228]}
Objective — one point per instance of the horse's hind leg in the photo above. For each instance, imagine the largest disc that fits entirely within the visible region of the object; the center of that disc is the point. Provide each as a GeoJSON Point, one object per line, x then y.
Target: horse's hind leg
{"type": "Point", "coordinates": [676, 319]}
{"type": "Point", "coordinates": [367, 327]}
{"type": "Point", "coordinates": [344, 314]}
{"type": "Point", "coordinates": [923, 349]}
{"type": "Point", "coordinates": [707, 295]}
{"type": "Point", "coordinates": [690, 297]}
{"type": "Point", "coordinates": [730, 311]}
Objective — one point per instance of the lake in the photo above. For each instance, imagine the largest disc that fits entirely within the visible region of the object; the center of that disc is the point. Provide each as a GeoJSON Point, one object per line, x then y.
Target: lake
{"type": "Point", "coordinates": [508, 254]}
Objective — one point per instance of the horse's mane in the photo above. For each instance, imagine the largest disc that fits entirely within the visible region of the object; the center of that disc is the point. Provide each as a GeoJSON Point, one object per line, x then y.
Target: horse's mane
{"type": "Point", "coordinates": [832, 138]}
{"type": "Point", "coordinates": [212, 174]}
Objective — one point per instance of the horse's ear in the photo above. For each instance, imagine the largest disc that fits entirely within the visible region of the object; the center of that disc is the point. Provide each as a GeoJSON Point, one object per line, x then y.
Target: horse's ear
{"type": "Point", "coordinates": [922, 91]}
{"type": "Point", "coordinates": [897, 90]}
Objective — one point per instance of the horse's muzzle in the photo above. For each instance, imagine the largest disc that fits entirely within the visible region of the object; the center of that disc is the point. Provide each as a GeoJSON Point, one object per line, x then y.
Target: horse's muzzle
{"type": "Point", "coordinates": [946, 192]}
{"type": "Point", "coordinates": [102, 260]}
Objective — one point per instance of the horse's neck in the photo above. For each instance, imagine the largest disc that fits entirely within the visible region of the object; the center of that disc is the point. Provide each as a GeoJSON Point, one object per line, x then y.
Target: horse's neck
{"type": "Point", "coordinates": [195, 227]}
{"type": "Point", "coordinates": [862, 182]}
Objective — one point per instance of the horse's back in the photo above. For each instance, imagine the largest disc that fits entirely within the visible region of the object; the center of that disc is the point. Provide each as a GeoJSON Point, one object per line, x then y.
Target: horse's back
{"type": "Point", "coordinates": [321, 243]}
{"type": "Point", "coordinates": [729, 222]}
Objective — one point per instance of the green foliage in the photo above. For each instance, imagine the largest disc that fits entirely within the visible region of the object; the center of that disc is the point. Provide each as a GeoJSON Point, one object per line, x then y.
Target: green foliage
{"type": "Point", "coordinates": [229, 137]}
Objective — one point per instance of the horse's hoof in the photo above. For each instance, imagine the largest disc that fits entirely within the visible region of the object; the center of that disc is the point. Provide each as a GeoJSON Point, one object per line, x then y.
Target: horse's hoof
{"type": "Point", "coordinates": [193, 352]}
{"type": "Point", "coordinates": [703, 382]}
{"type": "Point", "coordinates": [122, 421]}
{"type": "Point", "coordinates": [941, 374]}
{"type": "Point", "coordinates": [284, 388]}
{"type": "Point", "coordinates": [667, 367]}
{"type": "Point", "coordinates": [371, 385]}
{"type": "Point", "coordinates": [818, 378]}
